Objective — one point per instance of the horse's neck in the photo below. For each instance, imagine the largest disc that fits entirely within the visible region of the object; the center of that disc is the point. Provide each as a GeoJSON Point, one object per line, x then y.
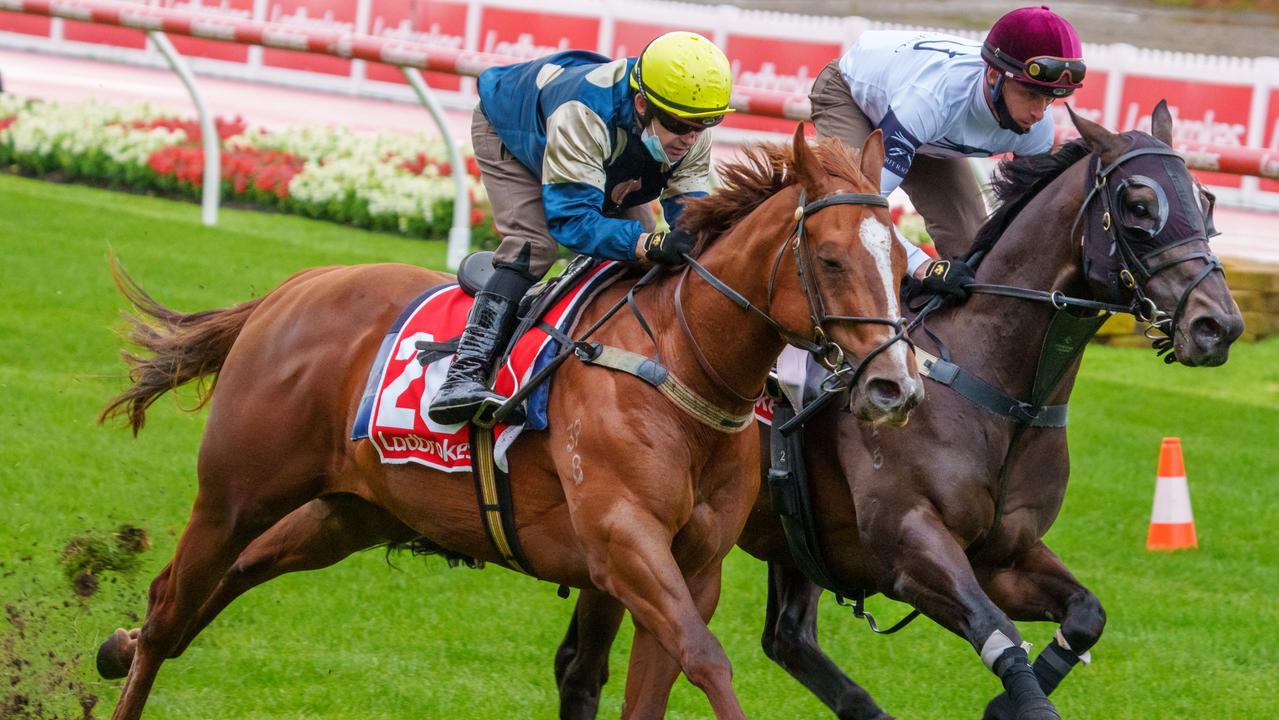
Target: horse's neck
{"type": "Point", "coordinates": [1000, 338]}
{"type": "Point", "coordinates": [737, 344]}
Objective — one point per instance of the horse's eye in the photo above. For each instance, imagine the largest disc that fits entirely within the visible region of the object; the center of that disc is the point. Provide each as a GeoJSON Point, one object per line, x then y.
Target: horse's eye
{"type": "Point", "coordinates": [831, 264]}
{"type": "Point", "coordinates": [1140, 210]}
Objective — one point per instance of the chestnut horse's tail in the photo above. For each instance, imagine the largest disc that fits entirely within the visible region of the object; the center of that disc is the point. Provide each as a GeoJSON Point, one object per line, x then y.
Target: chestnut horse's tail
{"type": "Point", "coordinates": [181, 347]}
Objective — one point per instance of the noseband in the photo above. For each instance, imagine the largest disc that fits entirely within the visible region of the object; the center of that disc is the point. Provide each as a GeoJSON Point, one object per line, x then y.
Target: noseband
{"type": "Point", "coordinates": [827, 351]}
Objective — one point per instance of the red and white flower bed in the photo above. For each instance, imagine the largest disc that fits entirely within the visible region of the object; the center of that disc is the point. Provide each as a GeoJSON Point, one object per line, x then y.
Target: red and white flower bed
{"type": "Point", "coordinates": [385, 181]}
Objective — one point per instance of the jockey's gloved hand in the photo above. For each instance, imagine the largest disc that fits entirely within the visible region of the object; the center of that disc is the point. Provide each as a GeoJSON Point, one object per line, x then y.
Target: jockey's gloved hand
{"type": "Point", "coordinates": [949, 278]}
{"type": "Point", "coordinates": [666, 248]}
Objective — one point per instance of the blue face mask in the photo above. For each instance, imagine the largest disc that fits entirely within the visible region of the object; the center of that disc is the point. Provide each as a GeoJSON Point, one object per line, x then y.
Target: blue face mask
{"type": "Point", "coordinates": [654, 145]}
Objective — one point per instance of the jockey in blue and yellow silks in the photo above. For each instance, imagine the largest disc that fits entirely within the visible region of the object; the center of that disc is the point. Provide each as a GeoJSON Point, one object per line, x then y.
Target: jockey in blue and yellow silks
{"type": "Point", "coordinates": [572, 148]}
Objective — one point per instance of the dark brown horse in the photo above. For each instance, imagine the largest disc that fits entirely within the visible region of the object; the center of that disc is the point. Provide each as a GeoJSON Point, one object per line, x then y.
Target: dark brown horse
{"type": "Point", "coordinates": [645, 515]}
{"type": "Point", "coordinates": [916, 513]}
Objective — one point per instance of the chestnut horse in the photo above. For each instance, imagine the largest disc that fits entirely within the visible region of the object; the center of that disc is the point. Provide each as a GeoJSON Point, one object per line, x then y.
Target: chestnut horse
{"type": "Point", "coordinates": [948, 514]}
{"type": "Point", "coordinates": [645, 515]}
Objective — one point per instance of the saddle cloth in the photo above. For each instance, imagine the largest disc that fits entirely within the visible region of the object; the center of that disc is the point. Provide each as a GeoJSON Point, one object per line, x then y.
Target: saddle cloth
{"type": "Point", "coordinates": [393, 410]}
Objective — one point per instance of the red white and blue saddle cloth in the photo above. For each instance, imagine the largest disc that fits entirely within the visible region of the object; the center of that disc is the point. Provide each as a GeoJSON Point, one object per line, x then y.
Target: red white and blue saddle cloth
{"type": "Point", "coordinates": [393, 410]}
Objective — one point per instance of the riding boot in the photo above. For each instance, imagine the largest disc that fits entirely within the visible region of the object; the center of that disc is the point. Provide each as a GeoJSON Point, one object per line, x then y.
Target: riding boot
{"type": "Point", "coordinates": [465, 391]}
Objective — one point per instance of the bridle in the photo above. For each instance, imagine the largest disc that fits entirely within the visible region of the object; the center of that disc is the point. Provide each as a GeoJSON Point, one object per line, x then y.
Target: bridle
{"type": "Point", "coordinates": [827, 351]}
{"type": "Point", "coordinates": [1136, 270]}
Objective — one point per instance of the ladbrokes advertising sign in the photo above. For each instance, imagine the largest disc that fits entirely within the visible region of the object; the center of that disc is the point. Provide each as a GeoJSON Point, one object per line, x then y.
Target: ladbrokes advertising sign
{"type": "Point", "coordinates": [1202, 112]}
{"type": "Point", "coordinates": [320, 14]}
{"type": "Point", "coordinates": [527, 34]}
{"type": "Point", "coordinates": [1271, 141]}
{"type": "Point", "coordinates": [441, 24]}
{"type": "Point", "coordinates": [776, 65]}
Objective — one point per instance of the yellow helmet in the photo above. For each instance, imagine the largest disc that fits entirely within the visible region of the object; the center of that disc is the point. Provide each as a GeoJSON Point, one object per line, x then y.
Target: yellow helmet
{"type": "Point", "coordinates": [685, 75]}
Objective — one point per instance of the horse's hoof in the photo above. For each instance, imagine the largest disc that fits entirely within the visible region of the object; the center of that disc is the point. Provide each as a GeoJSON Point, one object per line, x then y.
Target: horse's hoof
{"type": "Point", "coordinates": [116, 654]}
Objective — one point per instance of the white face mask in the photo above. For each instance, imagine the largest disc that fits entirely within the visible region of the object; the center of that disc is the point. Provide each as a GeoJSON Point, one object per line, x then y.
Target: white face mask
{"type": "Point", "coordinates": [653, 142]}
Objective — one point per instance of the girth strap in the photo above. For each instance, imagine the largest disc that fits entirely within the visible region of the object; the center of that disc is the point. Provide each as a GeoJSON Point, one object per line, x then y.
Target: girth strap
{"type": "Point", "coordinates": [493, 491]}
{"type": "Point", "coordinates": [657, 375]}
{"type": "Point", "coordinates": [789, 492]}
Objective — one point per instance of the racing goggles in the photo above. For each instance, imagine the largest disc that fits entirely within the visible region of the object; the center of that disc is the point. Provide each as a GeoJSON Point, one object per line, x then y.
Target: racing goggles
{"type": "Point", "coordinates": [1052, 69]}
{"type": "Point", "coordinates": [675, 126]}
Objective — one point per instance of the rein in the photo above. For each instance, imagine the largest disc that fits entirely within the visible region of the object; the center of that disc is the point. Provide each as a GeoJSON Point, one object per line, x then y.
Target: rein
{"type": "Point", "coordinates": [651, 370]}
{"type": "Point", "coordinates": [826, 350]}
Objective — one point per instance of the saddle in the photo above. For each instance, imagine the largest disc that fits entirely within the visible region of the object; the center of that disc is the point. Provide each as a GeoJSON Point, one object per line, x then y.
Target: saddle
{"type": "Point", "coordinates": [473, 274]}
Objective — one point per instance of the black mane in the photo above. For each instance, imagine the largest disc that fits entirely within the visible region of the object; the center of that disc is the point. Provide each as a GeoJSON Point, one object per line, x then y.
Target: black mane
{"type": "Point", "coordinates": [1017, 181]}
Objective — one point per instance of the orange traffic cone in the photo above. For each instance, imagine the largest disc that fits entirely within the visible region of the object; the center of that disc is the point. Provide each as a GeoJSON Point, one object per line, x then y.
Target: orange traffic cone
{"type": "Point", "coordinates": [1172, 527]}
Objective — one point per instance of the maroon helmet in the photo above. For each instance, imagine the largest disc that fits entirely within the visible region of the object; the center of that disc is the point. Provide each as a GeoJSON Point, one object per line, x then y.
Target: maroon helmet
{"type": "Point", "coordinates": [1038, 48]}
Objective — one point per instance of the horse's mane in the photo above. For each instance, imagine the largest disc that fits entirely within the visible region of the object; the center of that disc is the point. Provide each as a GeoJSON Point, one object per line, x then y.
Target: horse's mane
{"type": "Point", "coordinates": [1017, 181]}
{"type": "Point", "coordinates": [746, 183]}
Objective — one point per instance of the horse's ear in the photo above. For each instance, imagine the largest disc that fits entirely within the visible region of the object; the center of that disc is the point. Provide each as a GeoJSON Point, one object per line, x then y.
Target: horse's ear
{"type": "Point", "coordinates": [1097, 137]}
{"type": "Point", "coordinates": [807, 166]}
{"type": "Point", "coordinates": [872, 157]}
{"type": "Point", "coordinates": [1161, 123]}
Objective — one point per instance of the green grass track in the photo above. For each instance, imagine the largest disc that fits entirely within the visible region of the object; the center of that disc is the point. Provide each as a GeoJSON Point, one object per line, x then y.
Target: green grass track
{"type": "Point", "coordinates": [1190, 635]}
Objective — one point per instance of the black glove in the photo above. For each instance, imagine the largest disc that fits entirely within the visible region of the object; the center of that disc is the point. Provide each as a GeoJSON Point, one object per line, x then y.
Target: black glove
{"type": "Point", "coordinates": [666, 248]}
{"type": "Point", "coordinates": [947, 277]}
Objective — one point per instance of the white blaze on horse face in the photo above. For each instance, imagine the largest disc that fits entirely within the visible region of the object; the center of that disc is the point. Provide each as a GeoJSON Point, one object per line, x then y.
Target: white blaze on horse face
{"type": "Point", "coordinates": [878, 241]}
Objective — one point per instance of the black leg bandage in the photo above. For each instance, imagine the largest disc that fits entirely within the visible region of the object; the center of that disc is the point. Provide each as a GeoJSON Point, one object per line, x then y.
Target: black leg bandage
{"type": "Point", "coordinates": [1053, 663]}
{"type": "Point", "coordinates": [1013, 668]}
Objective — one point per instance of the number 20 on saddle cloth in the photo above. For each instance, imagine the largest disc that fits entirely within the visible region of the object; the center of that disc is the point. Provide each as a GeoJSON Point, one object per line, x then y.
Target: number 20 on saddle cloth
{"type": "Point", "coordinates": [393, 409]}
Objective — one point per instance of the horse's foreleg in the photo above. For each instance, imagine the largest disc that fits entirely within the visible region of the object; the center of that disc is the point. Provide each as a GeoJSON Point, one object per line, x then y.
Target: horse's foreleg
{"type": "Point", "coordinates": [790, 640]}
{"type": "Point", "coordinates": [1040, 587]}
{"type": "Point", "coordinates": [581, 663]}
{"type": "Point", "coordinates": [929, 570]}
{"type": "Point", "coordinates": [653, 668]}
{"type": "Point", "coordinates": [629, 555]}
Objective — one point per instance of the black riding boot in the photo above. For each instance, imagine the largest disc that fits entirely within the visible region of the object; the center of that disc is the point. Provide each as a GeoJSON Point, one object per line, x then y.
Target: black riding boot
{"type": "Point", "coordinates": [488, 329]}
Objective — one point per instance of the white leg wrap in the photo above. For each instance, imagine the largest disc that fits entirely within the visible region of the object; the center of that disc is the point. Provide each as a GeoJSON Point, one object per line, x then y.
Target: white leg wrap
{"type": "Point", "coordinates": [995, 646]}
{"type": "Point", "coordinates": [1085, 658]}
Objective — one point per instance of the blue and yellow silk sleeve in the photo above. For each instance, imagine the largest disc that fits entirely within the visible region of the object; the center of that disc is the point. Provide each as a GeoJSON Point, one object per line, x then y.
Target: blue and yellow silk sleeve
{"type": "Point", "coordinates": [574, 218]}
{"type": "Point", "coordinates": [573, 181]}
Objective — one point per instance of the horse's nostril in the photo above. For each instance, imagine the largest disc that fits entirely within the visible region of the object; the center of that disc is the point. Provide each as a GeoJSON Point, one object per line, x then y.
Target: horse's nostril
{"type": "Point", "coordinates": [884, 393]}
{"type": "Point", "coordinates": [1206, 331]}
